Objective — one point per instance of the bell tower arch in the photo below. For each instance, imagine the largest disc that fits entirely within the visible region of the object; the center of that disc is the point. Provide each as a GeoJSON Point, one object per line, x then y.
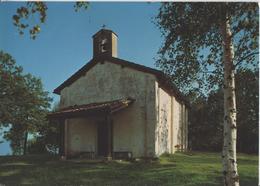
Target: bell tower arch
{"type": "Point", "coordinates": [104, 43]}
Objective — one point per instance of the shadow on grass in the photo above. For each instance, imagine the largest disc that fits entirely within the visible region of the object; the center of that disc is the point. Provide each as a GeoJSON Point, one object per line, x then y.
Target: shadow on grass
{"type": "Point", "coordinates": [177, 170]}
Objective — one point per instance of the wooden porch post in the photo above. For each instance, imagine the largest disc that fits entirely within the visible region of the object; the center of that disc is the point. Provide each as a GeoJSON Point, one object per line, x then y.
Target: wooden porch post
{"type": "Point", "coordinates": [61, 137]}
{"type": "Point", "coordinates": [109, 125]}
{"type": "Point", "coordinates": [65, 138]}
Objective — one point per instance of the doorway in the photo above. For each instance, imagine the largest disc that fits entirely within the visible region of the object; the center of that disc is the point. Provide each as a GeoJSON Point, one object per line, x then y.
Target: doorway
{"type": "Point", "coordinates": [102, 139]}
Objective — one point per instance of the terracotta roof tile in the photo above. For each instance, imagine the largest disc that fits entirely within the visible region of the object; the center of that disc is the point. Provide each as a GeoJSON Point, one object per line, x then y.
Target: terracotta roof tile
{"type": "Point", "coordinates": [92, 108]}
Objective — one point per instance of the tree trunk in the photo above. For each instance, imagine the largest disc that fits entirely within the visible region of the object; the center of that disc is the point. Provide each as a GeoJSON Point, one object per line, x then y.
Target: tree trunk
{"type": "Point", "coordinates": [229, 160]}
{"type": "Point", "coordinates": [25, 143]}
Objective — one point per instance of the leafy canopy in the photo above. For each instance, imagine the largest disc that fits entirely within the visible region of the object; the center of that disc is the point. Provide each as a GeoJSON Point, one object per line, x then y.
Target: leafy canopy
{"type": "Point", "coordinates": [20, 94]}
{"type": "Point", "coordinates": [23, 102]}
{"type": "Point", "coordinates": [38, 10]}
{"type": "Point", "coordinates": [192, 50]}
{"type": "Point", "coordinates": [206, 108]}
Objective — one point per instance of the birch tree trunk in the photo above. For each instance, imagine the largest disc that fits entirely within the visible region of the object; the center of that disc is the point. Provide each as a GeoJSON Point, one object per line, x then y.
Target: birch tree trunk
{"type": "Point", "coordinates": [229, 160]}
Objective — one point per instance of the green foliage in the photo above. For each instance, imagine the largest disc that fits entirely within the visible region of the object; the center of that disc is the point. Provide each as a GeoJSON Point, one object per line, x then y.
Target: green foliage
{"type": "Point", "coordinates": [24, 103]}
{"type": "Point", "coordinates": [31, 9]}
{"type": "Point", "coordinates": [49, 136]}
{"type": "Point", "coordinates": [11, 86]}
{"type": "Point", "coordinates": [248, 110]}
{"type": "Point", "coordinates": [47, 139]}
{"type": "Point", "coordinates": [206, 116]}
{"type": "Point", "coordinates": [195, 169]}
{"type": "Point", "coordinates": [192, 52]}
{"type": "Point", "coordinates": [39, 10]}
{"type": "Point", "coordinates": [16, 137]}
{"type": "Point", "coordinates": [36, 146]}
{"type": "Point", "coordinates": [205, 44]}
{"type": "Point", "coordinates": [42, 145]}
{"type": "Point", "coordinates": [81, 5]}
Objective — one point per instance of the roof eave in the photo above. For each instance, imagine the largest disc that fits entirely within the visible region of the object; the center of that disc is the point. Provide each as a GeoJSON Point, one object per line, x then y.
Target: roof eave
{"type": "Point", "coordinates": [162, 78]}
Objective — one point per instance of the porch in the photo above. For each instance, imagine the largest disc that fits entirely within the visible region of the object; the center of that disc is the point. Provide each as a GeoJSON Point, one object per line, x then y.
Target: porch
{"type": "Point", "coordinates": [87, 130]}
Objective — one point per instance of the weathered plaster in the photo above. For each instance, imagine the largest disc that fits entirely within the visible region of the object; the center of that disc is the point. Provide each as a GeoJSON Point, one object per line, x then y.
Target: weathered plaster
{"type": "Point", "coordinates": [171, 132]}
{"type": "Point", "coordinates": [133, 128]}
{"type": "Point", "coordinates": [155, 123]}
{"type": "Point", "coordinates": [81, 135]}
{"type": "Point", "coordinates": [178, 126]}
{"type": "Point", "coordinates": [186, 128]}
{"type": "Point", "coordinates": [162, 132]}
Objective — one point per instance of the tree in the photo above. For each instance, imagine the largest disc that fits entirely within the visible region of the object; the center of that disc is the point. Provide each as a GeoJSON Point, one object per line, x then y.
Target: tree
{"type": "Point", "coordinates": [36, 9]}
{"type": "Point", "coordinates": [206, 116]}
{"type": "Point", "coordinates": [11, 87]}
{"type": "Point", "coordinates": [205, 44]}
{"type": "Point", "coordinates": [247, 82]}
{"type": "Point", "coordinates": [14, 83]}
{"type": "Point", "coordinates": [48, 136]}
{"type": "Point", "coordinates": [24, 103]}
{"type": "Point", "coordinates": [47, 139]}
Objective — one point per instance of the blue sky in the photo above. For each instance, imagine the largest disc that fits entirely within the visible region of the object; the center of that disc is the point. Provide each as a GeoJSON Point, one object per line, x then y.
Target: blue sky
{"type": "Point", "coordinates": [65, 42]}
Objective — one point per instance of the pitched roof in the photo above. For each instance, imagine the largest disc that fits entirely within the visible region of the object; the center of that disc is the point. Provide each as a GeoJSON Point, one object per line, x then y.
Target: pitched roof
{"type": "Point", "coordinates": [103, 30]}
{"type": "Point", "coordinates": [92, 108]}
{"type": "Point", "coordinates": [163, 80]}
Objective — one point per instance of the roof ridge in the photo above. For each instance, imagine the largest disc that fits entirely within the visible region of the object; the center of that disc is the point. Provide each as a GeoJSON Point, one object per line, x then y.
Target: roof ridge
{"type": "Point", "coordinates": [92, 63]}
{"type": "Point", "coordinates": [163, 79]}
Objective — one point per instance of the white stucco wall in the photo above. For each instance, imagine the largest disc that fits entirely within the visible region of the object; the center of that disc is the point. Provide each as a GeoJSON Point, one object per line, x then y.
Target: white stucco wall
{"type": "Point", "coordinates": [81, 135]}
{"type": "Point", "coordinates": [171, 131]}
{"type": "Point", "coordinates": [133, 128]}
{"type": "Point", "coordinates": [180, 137]}
{"type": "Point", "coordinates": [186, 129]}
{"type": "Point", "coordinates": [162, 131]}
{"type": "Point", "coordinates": [176, 123]}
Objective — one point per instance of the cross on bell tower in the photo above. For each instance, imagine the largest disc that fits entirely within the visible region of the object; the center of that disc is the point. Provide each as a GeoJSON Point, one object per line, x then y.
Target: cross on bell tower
{"type": "Point", "coordinates": [105, 43]}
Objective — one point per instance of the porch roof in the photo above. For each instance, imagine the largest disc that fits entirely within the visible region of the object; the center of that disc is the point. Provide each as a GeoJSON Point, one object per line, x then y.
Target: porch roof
{"type": "Point", "coordinates": [108, 107]}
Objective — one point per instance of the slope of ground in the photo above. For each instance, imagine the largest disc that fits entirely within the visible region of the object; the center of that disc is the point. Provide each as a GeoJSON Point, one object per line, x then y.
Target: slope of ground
{"type": "Point", "coordinates": [180, 169]}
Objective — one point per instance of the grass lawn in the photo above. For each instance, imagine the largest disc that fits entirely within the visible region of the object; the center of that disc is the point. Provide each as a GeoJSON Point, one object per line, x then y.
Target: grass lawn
{"type": "Point", "coordinates": [194, 169]}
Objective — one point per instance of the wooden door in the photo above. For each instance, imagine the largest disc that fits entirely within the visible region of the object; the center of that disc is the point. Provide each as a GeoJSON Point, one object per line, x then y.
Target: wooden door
{"type": "Point", "coordinates": [102, 139]}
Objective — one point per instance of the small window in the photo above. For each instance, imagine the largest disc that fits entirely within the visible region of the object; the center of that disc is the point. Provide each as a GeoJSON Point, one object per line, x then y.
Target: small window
{"type": "Point", "coordinates": [104, 45]}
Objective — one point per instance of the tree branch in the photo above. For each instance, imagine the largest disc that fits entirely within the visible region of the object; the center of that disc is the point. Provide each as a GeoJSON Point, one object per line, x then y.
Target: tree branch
{"type": "Point", "coordinates": [244, 58]}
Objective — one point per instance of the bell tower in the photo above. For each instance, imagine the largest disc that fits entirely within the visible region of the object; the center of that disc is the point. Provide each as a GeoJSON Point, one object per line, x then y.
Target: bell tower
{"type": "Point", "coordinates": [104, 43]}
